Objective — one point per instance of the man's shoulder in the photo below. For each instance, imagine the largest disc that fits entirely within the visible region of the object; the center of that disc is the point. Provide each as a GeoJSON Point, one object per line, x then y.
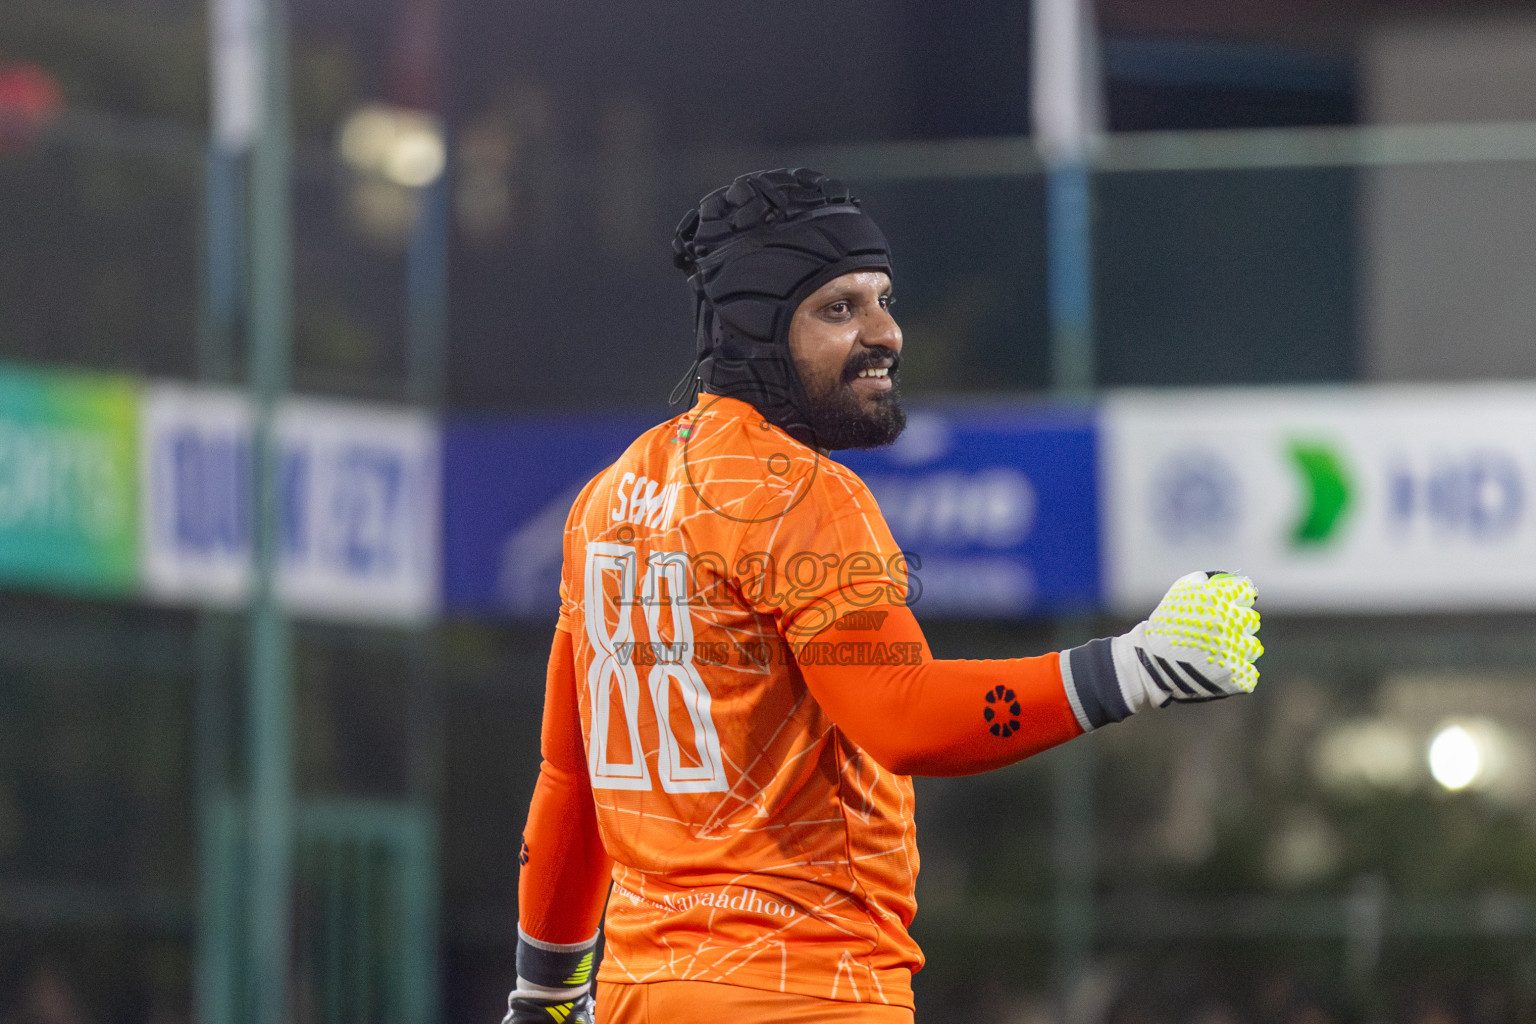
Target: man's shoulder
{"type": "Point", "coordinates": [723, 424]}
{"type": "Point", "coordinates": [743, 467]}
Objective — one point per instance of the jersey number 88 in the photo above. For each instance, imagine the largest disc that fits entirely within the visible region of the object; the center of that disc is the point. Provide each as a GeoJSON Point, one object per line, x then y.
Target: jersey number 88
{"type": "Point", "coordinates": [664, 589]}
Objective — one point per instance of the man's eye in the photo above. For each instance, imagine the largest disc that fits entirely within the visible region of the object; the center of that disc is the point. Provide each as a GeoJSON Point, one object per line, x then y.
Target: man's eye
{"type": "Point", "coordinates": [886, 300]}
{"type": "Point", "coordinates": [838, 309]}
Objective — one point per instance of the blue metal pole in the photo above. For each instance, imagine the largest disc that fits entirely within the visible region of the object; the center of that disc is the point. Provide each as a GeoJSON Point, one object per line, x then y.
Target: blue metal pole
{"type": "Point", "coordinates": [223, 304]}
{"type": "Point", "coordinates": [224, 291]}
{"type": "Point", "coordinates": [1069, 263]}
{"type": "Point", "coordinates": [221, 300]}
{"type": "Point", "coordinates": [270, 711]}
{"type": "Point", "coordinates": [426, 295]}
{"type": "Point", "coordinates": [426, 274]}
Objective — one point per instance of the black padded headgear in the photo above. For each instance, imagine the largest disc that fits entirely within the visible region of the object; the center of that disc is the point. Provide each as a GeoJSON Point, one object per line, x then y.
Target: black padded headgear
{"type": "Point", "coordinates": [753, 251]}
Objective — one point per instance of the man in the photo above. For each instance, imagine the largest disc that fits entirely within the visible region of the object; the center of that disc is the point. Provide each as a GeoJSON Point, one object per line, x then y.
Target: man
{"type": "Point", "coordinates": [737, 691]}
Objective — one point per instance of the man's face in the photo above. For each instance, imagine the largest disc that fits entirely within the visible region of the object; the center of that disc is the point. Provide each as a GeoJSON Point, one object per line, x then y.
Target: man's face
{"type": "Point", "coordinates": [847, 350]}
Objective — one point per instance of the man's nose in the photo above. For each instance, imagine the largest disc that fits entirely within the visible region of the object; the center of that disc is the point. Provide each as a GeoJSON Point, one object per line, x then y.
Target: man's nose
{"type": "Point", "coordinates": [882, 331]}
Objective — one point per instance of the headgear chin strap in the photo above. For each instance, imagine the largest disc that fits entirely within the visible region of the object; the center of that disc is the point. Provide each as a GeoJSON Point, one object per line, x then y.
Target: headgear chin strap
{"type": "Point", "coordinates": [753, 251]}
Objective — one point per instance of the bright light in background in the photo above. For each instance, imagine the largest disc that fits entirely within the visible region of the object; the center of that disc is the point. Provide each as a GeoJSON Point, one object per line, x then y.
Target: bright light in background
{"type": "Point", "coordinates": [366, 136]}
{"type": "Point", "coordinates": [1455, 760]}
{"type": "Point", "coordinates": [1482, 755]}
{"type": "Point", "coordinates": [416, 159]}
{"type": "Point", "coordinates": [1464, 753]}
{"type": "Point", "coordinates": [394, 152]}
{"type": "Point", "coordinates": [405, 147]}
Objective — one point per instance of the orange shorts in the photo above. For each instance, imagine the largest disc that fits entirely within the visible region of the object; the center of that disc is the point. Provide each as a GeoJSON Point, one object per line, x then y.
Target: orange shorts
{"type": "Point", "coordinates": [708, 1002]}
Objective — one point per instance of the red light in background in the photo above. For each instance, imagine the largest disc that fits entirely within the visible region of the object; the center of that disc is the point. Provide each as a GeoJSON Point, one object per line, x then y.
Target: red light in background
{"type": "Point", "coordinates": [30, 100]}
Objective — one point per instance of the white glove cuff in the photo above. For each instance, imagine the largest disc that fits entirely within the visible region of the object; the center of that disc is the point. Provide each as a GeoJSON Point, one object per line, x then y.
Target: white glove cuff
{"type": "Point", "coordinates": [1091, 676]}
{"type": "Point", "coordinates": [544, 994]}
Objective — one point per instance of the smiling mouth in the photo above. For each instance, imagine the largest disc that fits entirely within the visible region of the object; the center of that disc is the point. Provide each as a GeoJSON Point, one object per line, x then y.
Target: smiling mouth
{"type": "Point", "coordinates": [875, 379]}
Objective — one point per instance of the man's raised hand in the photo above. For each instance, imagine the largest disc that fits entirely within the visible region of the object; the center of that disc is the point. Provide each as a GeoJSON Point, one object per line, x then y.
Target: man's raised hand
{"type": "Point", "coordinates": [1198, 644]}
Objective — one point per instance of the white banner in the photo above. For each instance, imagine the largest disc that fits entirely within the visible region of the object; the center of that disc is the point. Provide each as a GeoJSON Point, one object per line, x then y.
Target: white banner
{"type": "Point", "coordinates": [1332, 499]}
{"type": "Point", "coordinates": [358, 512]}
{"type": "Point", "coordinates": [361, 489]}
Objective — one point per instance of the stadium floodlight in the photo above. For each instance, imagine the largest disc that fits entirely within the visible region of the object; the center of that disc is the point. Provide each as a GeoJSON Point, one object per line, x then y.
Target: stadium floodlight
{"type": "Point", "coordinates": [405, 147]}
{"type": "Point", "coordinates": [1486, 756]}
{"type": "Point", "coordinates": [1459, 756]}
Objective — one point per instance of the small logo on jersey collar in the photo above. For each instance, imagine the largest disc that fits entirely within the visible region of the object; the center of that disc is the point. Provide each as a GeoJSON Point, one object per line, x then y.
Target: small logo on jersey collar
{"type": "Point", "coordinates": [684, 431]}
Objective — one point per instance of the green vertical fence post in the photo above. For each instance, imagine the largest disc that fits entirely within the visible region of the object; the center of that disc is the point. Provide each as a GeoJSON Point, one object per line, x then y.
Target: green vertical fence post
{"type": "Point", "coordinates": [1070, 265]}
{"type": "Point", "coordinates": [218, 923]}
{"type": "Point", "coordinates": [1073, 857]}
{"type": "Point", "coordinates": [1067, 116]}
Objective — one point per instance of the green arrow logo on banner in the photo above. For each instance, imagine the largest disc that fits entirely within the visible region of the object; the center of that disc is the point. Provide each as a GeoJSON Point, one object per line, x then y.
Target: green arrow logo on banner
{"type": "Point", "coordinates": [1328, 492]}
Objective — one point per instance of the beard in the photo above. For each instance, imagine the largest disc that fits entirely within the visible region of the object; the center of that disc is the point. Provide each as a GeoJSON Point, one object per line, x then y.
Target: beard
{"type": "Point", "coordinates": [841, 419]}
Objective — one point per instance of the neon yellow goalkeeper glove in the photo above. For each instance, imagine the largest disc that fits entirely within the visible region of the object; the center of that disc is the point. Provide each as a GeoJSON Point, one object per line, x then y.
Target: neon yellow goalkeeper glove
{"type": "Point", "coordinates": [1199, 644]}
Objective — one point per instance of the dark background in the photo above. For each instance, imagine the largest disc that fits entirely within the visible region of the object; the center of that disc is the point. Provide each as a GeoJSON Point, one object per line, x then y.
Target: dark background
{"type": "Point", "coordinates": [588, 128]}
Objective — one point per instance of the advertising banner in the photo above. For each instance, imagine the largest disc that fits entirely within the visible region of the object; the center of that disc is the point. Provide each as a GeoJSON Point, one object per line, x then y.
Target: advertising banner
{"type": "Point", "coordinates": [360, 493]}
{"type": "Point", "coordinates": [358, 509]}
{"type": "Point", "coordinates": [508, 485]}
{"type": "Point", "coordinates": [195, 482]}
{"type": "Point", "coordinates": [68, 485]}
{"type": "Point", "coordinates": [996, 505]}
{"type": "Point", "coordinates": [1345, 499]}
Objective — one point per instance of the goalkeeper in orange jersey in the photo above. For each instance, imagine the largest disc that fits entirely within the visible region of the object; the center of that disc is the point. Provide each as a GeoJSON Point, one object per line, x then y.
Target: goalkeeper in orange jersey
{"type": "Point", "coordinates": [737, 691]}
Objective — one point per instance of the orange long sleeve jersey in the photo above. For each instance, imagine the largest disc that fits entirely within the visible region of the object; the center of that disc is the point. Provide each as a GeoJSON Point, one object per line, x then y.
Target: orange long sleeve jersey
{"type": "Point", "coordinates": [737, 695]}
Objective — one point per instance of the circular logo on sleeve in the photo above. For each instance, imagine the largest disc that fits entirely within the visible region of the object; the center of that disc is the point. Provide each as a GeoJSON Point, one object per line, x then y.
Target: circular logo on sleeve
{"type": "Point", "coordinates": [1002, 711]}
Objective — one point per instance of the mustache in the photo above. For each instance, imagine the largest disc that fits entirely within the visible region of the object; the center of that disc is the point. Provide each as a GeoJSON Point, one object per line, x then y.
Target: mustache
{"type": "Point", "coordinates": [871, 359]}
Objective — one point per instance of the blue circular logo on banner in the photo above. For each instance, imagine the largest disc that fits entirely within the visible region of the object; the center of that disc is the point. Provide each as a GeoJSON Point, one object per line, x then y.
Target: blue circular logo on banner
{"type": "Point", "coordinates": [1195, 498]}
